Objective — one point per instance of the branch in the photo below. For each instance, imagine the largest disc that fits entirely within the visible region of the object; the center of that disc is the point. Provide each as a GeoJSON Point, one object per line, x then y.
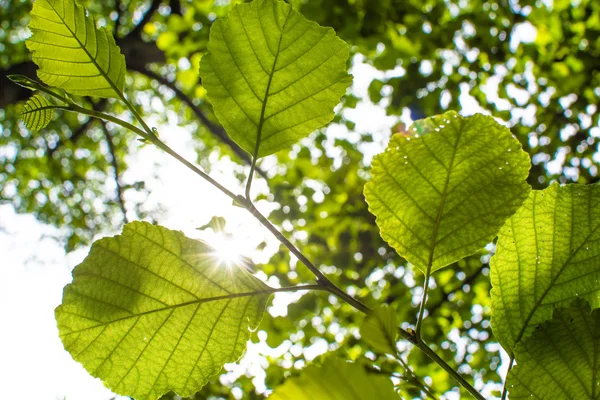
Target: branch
{"type": "Point", "coordinates": [175, 7]}
{"type": "Point", "coordinates": [212, 127]}
{"type": "Point", "coordinates": [116, 170]}
{"type": "Point", "coordinates": [118, 19]}
{"type": "Point", "coordinates": [76, 134]}
{"type": "Point", "coordinates": [445, 295]}
{"type": "Point", "coordinates": [137, 54]}
{"type": "Point", "coordinates": [137, 30]}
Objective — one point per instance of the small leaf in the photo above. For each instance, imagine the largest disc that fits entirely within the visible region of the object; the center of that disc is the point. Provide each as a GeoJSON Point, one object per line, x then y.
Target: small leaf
{"type": "Point", "coordinates": [547, 255]}
{"type": "Point", "coordinates": [336, 380]}
{"type": "Point", "coordinates": [270, 73]}
{"type": "Point", "coordinates": [71, 53]}
{"type": "Point", "coordinates": [37, 113]}
{"type": "Point", "coordinates": [444, 193]}
{"type": "Point", "coordinates": [26, 82]}
{"type": "Point", "coordinates": [150, 311]}
{"type": "Point", "coordinates": [561, 359]}
{"type": "Point", "coordinates": [380, 329]}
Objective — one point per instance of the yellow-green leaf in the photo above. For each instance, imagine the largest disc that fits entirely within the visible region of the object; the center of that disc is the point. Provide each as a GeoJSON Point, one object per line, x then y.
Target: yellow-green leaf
{"type": "Point", "coordinates": [151, 311]}
{"type": "Point", "coordinates": [71, 53]}
{"type": "Point", "coordinates": [336, 380]}
{"type": "Point", "coordinates": [547, 254]}
{"type": "Point", "coordinates": [272, 74]}
{"type": "Point", "coordinates": [379, 330]}
{"type": "Point", "coordinates": [37, 113]}
{"type": "Point", "coordinates": [442, 193]}
{"type": "Point", "coordinates": [561, 360]}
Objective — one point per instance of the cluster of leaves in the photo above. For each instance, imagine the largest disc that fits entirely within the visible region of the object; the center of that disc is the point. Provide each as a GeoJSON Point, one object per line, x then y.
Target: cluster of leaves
{"type": "Point", "coordinates": [430, 181]}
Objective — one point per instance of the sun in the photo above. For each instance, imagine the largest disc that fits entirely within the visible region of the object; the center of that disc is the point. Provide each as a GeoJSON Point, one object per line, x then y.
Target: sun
{"type": "Point", "coordinates": [226, 249]}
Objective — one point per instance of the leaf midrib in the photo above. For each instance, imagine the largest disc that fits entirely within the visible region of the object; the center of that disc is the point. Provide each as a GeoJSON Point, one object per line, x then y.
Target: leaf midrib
{"type": "Point", "coordinates": [175, 306]}
{"type": "Point", "coordinates": [93, 61]}
{"type": "Point", "coordinates": [262, 119]}
{"type": "Point", "coordinates": [436, 226]}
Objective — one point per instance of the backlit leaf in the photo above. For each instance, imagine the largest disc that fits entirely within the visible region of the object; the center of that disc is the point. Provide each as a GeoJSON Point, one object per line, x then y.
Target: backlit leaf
{"type": "Point", "coordinates": [71, 53]}
{"type": "Point", "coordinates": [560, 361]}
{"type": "Point", "coordinates": [444, 193]}
{"type": "Point", "coordinates": [547, 255]}
{"type": "Point", "coordinates": [150, 311]}
{"type": "Point", "coordinates": [380, 329]}
{"type": "Point", "coordinates": [270, 73]}
{"type": "Point", "coordinates": [336, 380]}
{"type": "Point", "coordinates": [37, 113]}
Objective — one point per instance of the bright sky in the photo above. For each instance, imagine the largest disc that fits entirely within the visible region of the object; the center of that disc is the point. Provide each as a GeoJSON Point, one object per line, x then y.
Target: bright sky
{"type": "Point", "coordinates": [34, 268]}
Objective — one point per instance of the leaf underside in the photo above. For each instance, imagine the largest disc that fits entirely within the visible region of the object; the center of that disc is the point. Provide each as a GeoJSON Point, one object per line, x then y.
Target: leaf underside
{"type": "Point", "coordinates": [71, 53]}
{"type": "Point", "coordinates": [547, 255]}
{"type": "Point", "coordinates": [37, 113]}
{"type": "Point", "coordinates": [561, 360]}
{"type": "Point", "coordinates": [379, 330]}
{"type": "Point", "coordinates": [151, 311]}
{"type": "Point", "coordinates": [444, 192]}
{"type": "Point", "coordinates": [336, 380]}
{"type": "Point", "coordinates": [273, 73]}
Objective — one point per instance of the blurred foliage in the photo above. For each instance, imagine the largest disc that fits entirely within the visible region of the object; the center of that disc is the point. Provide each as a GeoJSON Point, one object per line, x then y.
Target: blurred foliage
{"type": "Point", "coordinates": [533, 64]}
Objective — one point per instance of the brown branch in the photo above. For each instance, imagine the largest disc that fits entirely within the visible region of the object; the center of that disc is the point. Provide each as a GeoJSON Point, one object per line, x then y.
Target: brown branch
{"type": "Point", "coordinates": [137, 54]}
{"type": "Point", "coordinates": [445, 295]}
{"type": "Point", "coordinates": [212, 127]}
{"type": "Point", "coordinates": [118, 19]}
{"type": "Point", "coordinates": [175, 7]}
{"type": "Point", "coordinates": [137, 30]}
{"type": "Point", "coordinates": [82, 129]}
{"type": "Point", "coordinates": [116, 170]}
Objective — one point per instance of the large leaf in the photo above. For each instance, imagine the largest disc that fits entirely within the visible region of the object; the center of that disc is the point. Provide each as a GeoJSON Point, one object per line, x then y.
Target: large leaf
{"type": "Point", "coordinates": [547, 255]}
{"type": "Point", "coordinates": [380, 329]}
{"type": "Point", "coordinates": [151, 311]}
{"type": "Point", "coordinates": [272, 74]}
{"type": "Point", "coordinates": [561, 360]}
{"type": "Point", "coordinates": [37, 113]}
{"type": "Point", "coordinates": [336, 380]}
{"type": "Point", "coordinates": [72, 53]}
{"type": "Point", "coordinates": [443, 192]}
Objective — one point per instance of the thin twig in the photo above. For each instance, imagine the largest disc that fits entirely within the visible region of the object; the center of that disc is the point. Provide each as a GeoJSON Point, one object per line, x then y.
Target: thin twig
{"type": "Point", "coordinates": [423, 303]}
{"type": "Point", "coordinates": [116, 171]}
{"type": "Point", "coordinates": [445, 295]}
{"type": "Point", "coordinates": [413, 378]}
{"type": "Point", "coordinates": [80, 131]}
{"type": "Point", "coordinates": [211, 126]}
{"type": "Point", "coordinates": [505, 388]}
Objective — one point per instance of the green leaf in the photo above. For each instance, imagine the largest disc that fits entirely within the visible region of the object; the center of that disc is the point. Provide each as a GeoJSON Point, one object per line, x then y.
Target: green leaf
{"type": "Point", "coordinates": [152, 311]}
{"type": "Point", "coordinates": [561, 359]}
{"type": "Point", "coordinates": [547, 255]}
{"type": "Point", "coordinates": [37, 113]}
{"type": "Point", "coordinates": [444, 192]}
{"type": "Point", "coordinates": [71, 53]}
{"type": "Point", "coordinates": [380, 329]}
{"type": "Point", "coordinates": [272, 74]}
{"type": "Point", "coordinates": [336, 380]}
{"type": "Point", "coordinates": [26, 82]}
